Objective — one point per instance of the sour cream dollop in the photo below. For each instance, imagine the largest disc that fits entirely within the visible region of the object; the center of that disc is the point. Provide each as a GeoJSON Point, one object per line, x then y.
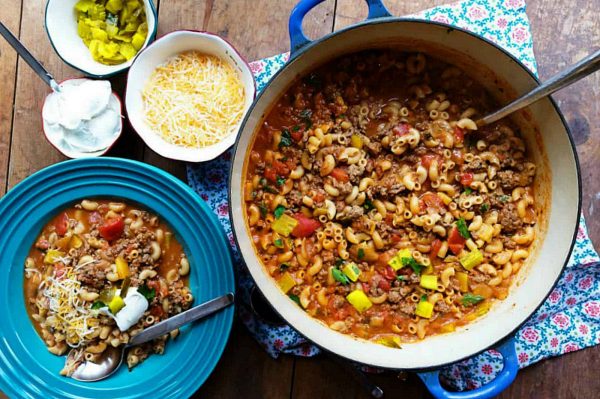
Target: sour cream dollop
{"type": "Point", "coordinates": [135, 306]}
{"type": "Point", "coordinates": [83, 118]}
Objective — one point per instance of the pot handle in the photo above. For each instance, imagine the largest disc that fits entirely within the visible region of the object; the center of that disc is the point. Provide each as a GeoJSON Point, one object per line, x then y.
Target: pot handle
{"type": "Point", "coordinates": [489, 390]}
{"type": "Point", "coordinates": [297, 37]}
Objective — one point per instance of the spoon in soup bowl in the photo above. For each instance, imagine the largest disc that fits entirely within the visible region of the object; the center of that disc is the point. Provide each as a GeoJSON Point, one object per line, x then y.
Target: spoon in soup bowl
{"type": "Point", "coordinates": [111, 359]}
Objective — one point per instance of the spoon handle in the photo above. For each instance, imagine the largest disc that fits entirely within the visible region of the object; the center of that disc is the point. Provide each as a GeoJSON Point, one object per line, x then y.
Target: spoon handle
{"type": "Point", "coordinates": [172, 323]}
{"type": "Point", "coordinates": [583, 68]}
{"type": "Point", "coordinates": [26, 55]}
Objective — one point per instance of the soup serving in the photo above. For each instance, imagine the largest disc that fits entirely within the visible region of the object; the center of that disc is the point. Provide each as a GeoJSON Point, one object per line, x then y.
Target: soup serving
{"type": "Point", "coordinates": [380, 207]}
{"type": "Point", "coordinates": [98, 274]}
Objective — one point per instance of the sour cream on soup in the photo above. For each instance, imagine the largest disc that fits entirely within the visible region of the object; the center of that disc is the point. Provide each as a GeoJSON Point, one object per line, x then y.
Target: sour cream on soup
{"type": "Point", "coordinates": [135, 306]}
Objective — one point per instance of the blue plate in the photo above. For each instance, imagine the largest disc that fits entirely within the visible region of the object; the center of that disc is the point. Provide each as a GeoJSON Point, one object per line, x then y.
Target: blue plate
{"type": "Point", "coordinates": [27, 369]}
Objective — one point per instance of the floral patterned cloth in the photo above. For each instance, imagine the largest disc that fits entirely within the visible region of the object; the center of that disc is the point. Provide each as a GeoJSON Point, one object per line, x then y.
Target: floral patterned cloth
{"type": "Point", "coordinates": [569, 320]}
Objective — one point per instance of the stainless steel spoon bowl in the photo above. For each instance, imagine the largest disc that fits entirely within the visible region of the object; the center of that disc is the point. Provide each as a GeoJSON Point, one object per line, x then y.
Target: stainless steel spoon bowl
{"type": "Point", "coordinates": [111, 358]}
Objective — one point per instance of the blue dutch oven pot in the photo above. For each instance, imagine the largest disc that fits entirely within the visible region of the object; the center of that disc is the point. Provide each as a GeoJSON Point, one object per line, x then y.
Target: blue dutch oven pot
{"type": "Point", "coordinates": [558, 192]}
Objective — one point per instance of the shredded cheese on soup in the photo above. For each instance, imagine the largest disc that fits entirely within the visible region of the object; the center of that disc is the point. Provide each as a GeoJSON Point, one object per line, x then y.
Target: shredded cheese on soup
{"type": "Point", "coordinates": [70, 316]}
{"type": "Point", "coordinates": [194, 99]}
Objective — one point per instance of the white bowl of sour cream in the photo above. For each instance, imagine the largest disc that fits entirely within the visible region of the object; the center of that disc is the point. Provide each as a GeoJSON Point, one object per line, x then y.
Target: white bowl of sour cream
{"type": "Point", "coordinates": [83, 119]}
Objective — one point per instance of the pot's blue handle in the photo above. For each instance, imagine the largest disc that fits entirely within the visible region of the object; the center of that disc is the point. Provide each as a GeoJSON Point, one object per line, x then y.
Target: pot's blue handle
{"type": "Point", "coordinates": [489, 390]}
{"type": "Point", "coordinates": [297, 37]}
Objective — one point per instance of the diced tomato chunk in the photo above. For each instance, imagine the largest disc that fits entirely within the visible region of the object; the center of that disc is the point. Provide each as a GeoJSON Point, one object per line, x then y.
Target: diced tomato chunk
{"type": "Point", "coordinates": [401, 129]}
{"type": "Point", "coordinates": [432, 200]}
{"type": "Point", "coordinates": [427, 159]}
{"type": "Point", "coordinates": [459, 134]}
{"type": "Point", "coordinates": [384, 285]}
{"type": "Point", "coordinates": [466, 178]}
{"type": "Point", "coordinates": [157, 311]}
{"type": "Point", "coordinates": [270, 174]}
{"type": "Point", "coordinates": [456, 242]}
{"type": "Point", "coordinates": [318, 197]}
{"type": "Point", "coordinates": [306, 226]}
{"type": "Point", "coordinates": [388, 273]}
{"type": "Point", "coordinates": [61, 224]}
{"type": "Point", "coordinates": [340, 174]}
{"type": "Point", "coordinates": [281, 168]}
{"type": "Point", "coordinates": [435, 248]}
{"type": "Point", "coordinates": [396, 238]}
{"type": "Point", "coordinates": [112, 229]}
{"type": "Point", "coordinates": [297, 135]}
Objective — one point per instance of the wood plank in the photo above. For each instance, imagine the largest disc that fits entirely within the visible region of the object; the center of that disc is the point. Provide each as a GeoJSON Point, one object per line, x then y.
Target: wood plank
{"type": "Point", "coordinates": [29, 149]}
{"type": "Point", "coordinates": [259, 29]}
{"type": "Point", "coordinates": [565, 31]}
{"type": "Point", "coordinates": [246, 371]}
{"type": "Point", "coordinates": [10, 15]}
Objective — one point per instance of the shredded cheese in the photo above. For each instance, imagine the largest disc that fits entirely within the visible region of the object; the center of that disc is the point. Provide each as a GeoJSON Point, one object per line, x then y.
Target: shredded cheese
{"type": "Point", "coordinates": [68, 314]}
{"type": "Point", "coordinates": [194, 99]}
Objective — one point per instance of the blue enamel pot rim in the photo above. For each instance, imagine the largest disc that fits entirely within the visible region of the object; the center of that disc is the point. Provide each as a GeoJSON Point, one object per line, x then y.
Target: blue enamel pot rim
{"type": "Point", "coordinates": [27, 369]}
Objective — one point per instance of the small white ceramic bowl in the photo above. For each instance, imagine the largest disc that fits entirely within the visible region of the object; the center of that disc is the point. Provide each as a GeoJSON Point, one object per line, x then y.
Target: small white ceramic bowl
{"type": "Point", "coordinates": [74, 154]}
{"type": "Point", "coordinates": [158, 53]}
{"type": "Point", "coordinates": [61, 27]}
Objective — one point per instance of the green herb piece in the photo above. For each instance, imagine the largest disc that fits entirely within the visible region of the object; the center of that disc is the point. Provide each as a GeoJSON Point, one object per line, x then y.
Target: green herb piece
{"type": "Point", "coordinates": [284, 266]}
{"type": "Point", "coordinates": [461, 225]}
{"type": "Point", "coordinates": [417, 268]}
{"type": "Point", "coordinates": [285, 139]}
{"type": "Point", "coordinates": [98, 305]}
{"type": "Point", "coordinates": [469, 299]}
{"type": "Point", "coordinates": [314, 80]}
{"type": "Point", "coordinates": [401, 277]}
{"type": "Point", "coordinates": [504, 198]}
{"type": "Point", "coordinates": [112, 19]}
{"type": "Point", "coordinates": [263, 209]}
{"type": "Point", "coordinates": [281, 180]}
{"type": "Point", "coordinates": [295, 128]}
{"type": "Point", "coordinates": [339, 262]}
{"type": "Point", "coordinates": [295, 299]}
{"type": "Point", "coordinates": [148, 293]}
{"type": "Point", "coordinates": [279, 211]}
{"type": "Point", "coordinates": [270, 189]}
{"type": "Point", "coordinates": [468, 191]}
{"type": "Point", "coordinates": [423, 298]}
{"type": "Point", "coordinates": [306, 114]}
{"type": "Point", "coordinates": [360, 253]}
{"type": "Point", "coordinates": [339, 276]}
{"type": "Point", "coordinates": [368, 205]}
{"type": "Point", "coordinates": [484, 208]}
{"type": "Point", "coordinates": [262, 181]}
{"type": "Point", "coordinates": [278, 243]}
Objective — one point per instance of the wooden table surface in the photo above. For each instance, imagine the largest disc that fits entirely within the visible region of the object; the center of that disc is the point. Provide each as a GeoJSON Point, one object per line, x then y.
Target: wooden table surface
{"type": "Point", "coordinates": [564, 31]}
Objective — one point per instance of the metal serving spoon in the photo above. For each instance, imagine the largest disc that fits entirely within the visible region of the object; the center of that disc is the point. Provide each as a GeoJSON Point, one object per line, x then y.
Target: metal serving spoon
{"type": "Point", "coordinates": [30, 59]}
{"type": "Point", "coordinates": [112, 358]}
{"type": "Point", "coordinates": [583, 68]}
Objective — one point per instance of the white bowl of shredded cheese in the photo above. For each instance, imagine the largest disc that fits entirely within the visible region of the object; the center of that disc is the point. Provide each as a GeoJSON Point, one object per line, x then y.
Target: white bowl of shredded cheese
{"type": "Point", "coordinates": [187, 94]}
